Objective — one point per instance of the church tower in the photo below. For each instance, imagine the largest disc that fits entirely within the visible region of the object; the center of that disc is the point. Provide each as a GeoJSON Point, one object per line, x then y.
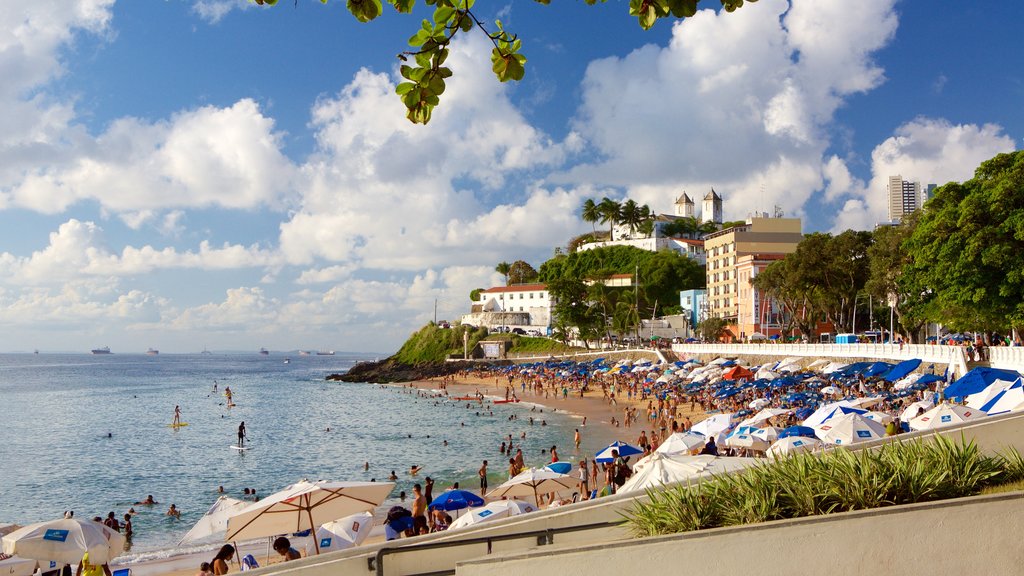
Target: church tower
{"type": "Point", "coordinates": [684, 206]}
{"type": "Point", "coordinates": [712, 208]}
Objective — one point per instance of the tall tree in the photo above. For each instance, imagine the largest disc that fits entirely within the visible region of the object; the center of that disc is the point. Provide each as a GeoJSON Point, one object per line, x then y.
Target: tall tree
{"type": "Point", "coordinates": [503, 268]}
{"type": "Point", "coordinates": [520, 272]}
{"type": "Point", "coordinates": [609, 210]}
{"type": "Point", "coordinates": [893, 280]}
{"type": "Point", "coordinates": [590, 213]}
{"type": "Point", "coordinates": [630, 215]}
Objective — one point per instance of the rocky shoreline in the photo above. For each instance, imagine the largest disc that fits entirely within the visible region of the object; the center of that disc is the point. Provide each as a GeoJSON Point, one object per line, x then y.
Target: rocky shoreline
{"type": "Point", "coordinates": [389, 371]}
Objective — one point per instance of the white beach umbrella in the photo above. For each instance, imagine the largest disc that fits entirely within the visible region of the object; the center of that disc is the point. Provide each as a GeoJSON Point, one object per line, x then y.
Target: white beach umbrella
{"type": "Point", "coordinates": [758, 403]}
{"type": "Point", "coordinates": [768, 433]}
{"type": "Point", "coordinates": [305, 506]}
{"type": "Point", "coordinates": [215, 520]}
{"type": "Point", "coordinates": [849, 429]}
{"type": "Point", "coordinates": [348, 532]}
{"type": "Point", "coordinates": [818, 363]}
{"type": "Point", "coordinates": [713, 424]}
{"type": "Point", "coordinates": [763, 416]}
{"type": "Point", "coordinates": [662, 469]}
{"type": "Point", "coordinates": [65, 541]}
{"type": "Point", "coordinates": [680, 443]}
{"type": "Point", "coordinates": [1011, 400]}
{"type": "Point", "coordinates": [534, 481]}
{"type": "Point", "coordinates": [907, 381]}
{"type": "Point", "coordinates": [823, 412]}
{"type": "Point", "coordinates": [493, 511]}
{"type": "Point", "coordinates": [748, 441]}
{"type": "Point", "coordinates": [794, 445]}
{"type": "Point", "coordinates": [945, 415]}
{"type": "Point", "coordinates": [880, 417]}
{"type": "Point", "coordinates": [15, 566]}
{"type": "Point", "coordinates": [866, 401]}
{"type": "Point", "coordinates": [831, 390]}
{"type": "Point", "coordinates": [832, 367]}
{"type": "Point", "coordinates": [915, 410]}
{"type": "Point", "coordinates": [989, 393]}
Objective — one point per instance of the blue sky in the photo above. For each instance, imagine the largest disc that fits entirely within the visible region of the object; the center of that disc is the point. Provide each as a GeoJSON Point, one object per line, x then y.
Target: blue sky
{"type": "Point", "coordinates": [193, 173]}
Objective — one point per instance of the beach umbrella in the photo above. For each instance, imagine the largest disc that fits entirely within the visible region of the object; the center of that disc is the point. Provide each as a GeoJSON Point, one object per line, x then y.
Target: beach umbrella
{"type": "Point", "coordinates": [797, 431]}
{"type": "Point", "coordinates": [993, 391]}
{"type": "Point", "coordinates": [759, 403]}
{"type": "Point", "coordinates": [769, 433]}
{"type": "Point", "coordinates": [681, 443]}
{"type": "Point", "coordinates": [605, 455]}
{"type": "Point", "coordinates": [748, 441]}
{"type": "Point", "coordinates": [560, 467]}
{"type": "Point", "coordinates": [831, 390]}
{"type": "Point", "coordinates": [492, 511]}
{"type": "Point", "coordinates": [849, 428]}
{"type": "Point", "coordinates": [348, 532]}
{"type": "Point", "coordinates": [532, 482]}
{"type": "Point", "coordinates": [713, 424]}
{"type": "Point", "coordinates": [901, 370]}
{"type": "Point", "coordinates": [977, 379]}
{"type": "Point", "coordinates": [1011, 400]}
{"type": "Point", "coordinates": [65, 541]}
{"type": "Point", "coordinates": [455, 500]}
{"type": "Point", "coordinates": [215, 520]}
{"type": "Point", "coordinates": [794, 445]}
{"type": "Point", "coordinates": [736, 373]}
{"type": "Point", "coordinates": [915, 410]}
{"type": "Point", "coordinates": [880, 417]}
{"type": "Point", "coordinates": [866, 401]}
{"type": "Point", "coordinates": [305, 506]}
{"type": "Point", "coordinates": [825, 412]}
{"type": "Point", "coordinates": [763, 416]}
{"type": "Point", "coordinates": [14, 566]}
{"type": "Point", "coordinates": [656, 470]}
{"type": "Point", "coordinates": [945, 415]}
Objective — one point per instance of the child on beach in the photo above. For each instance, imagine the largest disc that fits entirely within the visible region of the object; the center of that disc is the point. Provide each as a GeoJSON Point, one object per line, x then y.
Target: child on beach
{"type": "Point", "coordinates": [205, 570]}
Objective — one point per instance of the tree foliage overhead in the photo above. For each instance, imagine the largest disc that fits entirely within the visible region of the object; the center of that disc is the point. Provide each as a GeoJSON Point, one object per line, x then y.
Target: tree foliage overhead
{"type": "Point", "coordinates": [520, 272]}
{"type": "Point", "coordinates": [426, 74]}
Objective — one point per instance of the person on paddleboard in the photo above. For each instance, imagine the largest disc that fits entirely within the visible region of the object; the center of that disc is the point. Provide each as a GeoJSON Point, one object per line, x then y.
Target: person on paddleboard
{"type": "Point", "coordinates": [177, 416]}
{"type": "Point", "coordinates": [241, 435]}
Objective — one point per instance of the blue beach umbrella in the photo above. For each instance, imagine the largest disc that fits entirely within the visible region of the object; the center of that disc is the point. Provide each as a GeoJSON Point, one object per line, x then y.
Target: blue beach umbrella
{"type": "Point", "coordinates": [901, 370]}
{"type": "Point", "coordinates": [456, 500]}
{"type": "Point", "coordinates": [560, 467]}
{"type": "Point", "coordinates": [797, 431]}
{"type": "Point", "coordinates": [624, 449]}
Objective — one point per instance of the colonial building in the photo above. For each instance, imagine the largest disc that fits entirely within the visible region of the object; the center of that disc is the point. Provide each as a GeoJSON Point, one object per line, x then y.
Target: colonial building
{"type": "Point", "coordinates": [520, 305]}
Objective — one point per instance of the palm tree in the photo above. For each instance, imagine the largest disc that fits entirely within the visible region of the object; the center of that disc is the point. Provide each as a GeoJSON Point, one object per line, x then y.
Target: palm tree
{"type": "Point", "coordinates": [629, 214]}
{"type": "Point", "coordinates": [609, 210]}
{"type": "Point", "coordinates": [503, 268]}
{"type": "Point", "coordinates": [591, 213]}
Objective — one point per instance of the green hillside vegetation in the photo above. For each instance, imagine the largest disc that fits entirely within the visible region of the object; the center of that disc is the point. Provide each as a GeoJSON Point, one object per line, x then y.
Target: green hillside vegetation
{"type": "Point", "coordinates": [434, 344]}
{"type": "Point", "coordinates": [527, 344]}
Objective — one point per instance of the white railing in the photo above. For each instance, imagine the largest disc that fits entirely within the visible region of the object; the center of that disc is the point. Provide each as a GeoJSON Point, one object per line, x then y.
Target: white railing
{"type": "Point", "coordinates": [1007, 357]}
{"type": "Point", "coordinates": [952, 355]}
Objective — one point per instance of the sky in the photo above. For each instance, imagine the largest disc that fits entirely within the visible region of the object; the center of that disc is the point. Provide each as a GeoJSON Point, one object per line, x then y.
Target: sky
{"type": "Point", "coordinates": [182, 174]}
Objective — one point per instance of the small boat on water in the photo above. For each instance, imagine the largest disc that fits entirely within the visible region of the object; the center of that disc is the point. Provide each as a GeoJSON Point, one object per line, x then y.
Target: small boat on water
{"type": "Point", "coordinates": [152, 352]}
{"type": "Point", "coordinates": [104, 350]}
{"type": "Point", "coordinates": [287, 360]}
{"type": "Point", "coordinates": [303, 352]}
{"type": "Point", "coordinates": [325, 353]}
{"type": "Point", "coordinates": [264, 352]}
{"type": "Point", "coordinates": [205, 351]}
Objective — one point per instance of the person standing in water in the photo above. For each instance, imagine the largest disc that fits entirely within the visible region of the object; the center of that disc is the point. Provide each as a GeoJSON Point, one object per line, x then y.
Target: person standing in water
{"type": "Point", "coordinates": [177, 416]}
{"type": "Point", "coordinates": [227, 394]}
{"type": "Point", "coordinates": [241, 435]}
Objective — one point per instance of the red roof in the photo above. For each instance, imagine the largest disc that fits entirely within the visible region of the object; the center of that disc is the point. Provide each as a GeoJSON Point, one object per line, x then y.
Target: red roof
{"type": "Point", "coordinates": [517, 288]}
{"type": "Point", "coordinates": [689, 241]}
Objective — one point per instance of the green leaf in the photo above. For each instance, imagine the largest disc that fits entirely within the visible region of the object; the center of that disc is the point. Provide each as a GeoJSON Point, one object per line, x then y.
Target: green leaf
{"type": "Point", "coordinates": [443, 14]}
{"type": "Point", "coordinates": [404, 88]}
{"type": "Point", "coordinates": [365, 10]}
{"type": "Point", "coordinates": [402, 6]}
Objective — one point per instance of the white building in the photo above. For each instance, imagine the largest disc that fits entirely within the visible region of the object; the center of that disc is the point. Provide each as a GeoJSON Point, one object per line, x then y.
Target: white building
{"type": "Point", "coordinates": [520, 305]}
{"type": "Point", "coordinates": [904, 197]}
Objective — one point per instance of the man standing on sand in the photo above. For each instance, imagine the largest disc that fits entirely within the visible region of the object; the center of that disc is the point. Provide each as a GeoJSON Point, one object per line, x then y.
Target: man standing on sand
{"type": "Point", "coordinates": [419, 503]}
{"type": "Point", "coordinates": [577, 439]}
{"type": "Point", "coordinates": [482, 472]}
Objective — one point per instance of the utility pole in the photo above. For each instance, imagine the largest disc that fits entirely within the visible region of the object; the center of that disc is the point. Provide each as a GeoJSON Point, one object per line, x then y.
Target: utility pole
{"type": "Point", "coordinates": [435, 311]}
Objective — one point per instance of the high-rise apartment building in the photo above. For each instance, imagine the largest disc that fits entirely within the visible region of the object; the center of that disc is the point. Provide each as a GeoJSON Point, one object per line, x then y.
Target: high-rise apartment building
{"type": "Point", "coordinates": [904, 197]}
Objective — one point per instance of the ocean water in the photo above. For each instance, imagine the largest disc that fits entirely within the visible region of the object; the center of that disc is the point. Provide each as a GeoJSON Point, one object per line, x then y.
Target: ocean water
{"type": "Point", "coordinates": [56, 412]}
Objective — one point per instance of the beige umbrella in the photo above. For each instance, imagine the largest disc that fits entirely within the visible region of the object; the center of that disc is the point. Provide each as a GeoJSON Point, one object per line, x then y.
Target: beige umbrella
{"type": "Point", "coordinates": [533, 481]}
{"type": "Point", "coordinates": [305, 506]}
{"type": "Point", "coordinates": [65, 541]}
{"type": "Point", "coordinates": [215, 520]}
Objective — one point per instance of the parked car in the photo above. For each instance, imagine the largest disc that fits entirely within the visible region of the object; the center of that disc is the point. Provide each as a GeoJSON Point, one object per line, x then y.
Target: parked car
{"type": "Point", "coordinates": [518, 330]}
{"type": "Point", "coordinates": [533, 332]}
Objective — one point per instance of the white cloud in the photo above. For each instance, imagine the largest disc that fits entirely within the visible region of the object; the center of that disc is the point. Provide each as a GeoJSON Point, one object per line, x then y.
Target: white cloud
{"type": "Point", "coordinates": [742, 102]}
{"type": "Point", "coordinates": [213, 11]}
{"type": "Point", "coordinates": [926, 150]}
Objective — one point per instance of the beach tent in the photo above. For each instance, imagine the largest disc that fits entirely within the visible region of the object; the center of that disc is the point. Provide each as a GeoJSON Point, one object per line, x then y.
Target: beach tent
{"type": "Point", "coordinates": [849, 428]}
{"type": "Point", "coordinates": [681, 443]}
{"type": "Point", "coordinates": [901, 370]}
{"type": "Point", "coordinates": [736, 373]}
{"type": "Point", "coordinates": [215, 520]}
{"type": "Point", "coordinates": [305, 506]}
{"type": "Point", "coordinates": [660, 469]}
{"type": "Point", "coordinates": [976, 380]}
{"type": "Point", "coordinates": [1011, 400]}
{"type": "Point", "coordinates": [65, 541]}
{"type": "Point", "coordinates": [493, 511]}
{"type": "Point", "coordinates": [349, 532]}
{"type": "Point", "coordinates": [794, 445]}
{"type": "Point", "coordinates": [945, 415]}
{"type": "Point", "coordinates": [713, 424]}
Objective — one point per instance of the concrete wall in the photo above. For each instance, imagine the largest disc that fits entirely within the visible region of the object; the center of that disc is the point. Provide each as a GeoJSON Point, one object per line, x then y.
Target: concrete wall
{"type": "Point", "coordinates": [953, 355]}
{"type": "Point", "coordinates": [1007, 357]}
{"type": "Point", "coordinates": [979, 535]}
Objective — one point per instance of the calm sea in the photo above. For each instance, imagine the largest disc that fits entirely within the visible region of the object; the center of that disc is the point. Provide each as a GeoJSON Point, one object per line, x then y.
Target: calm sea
{"type": "Point", "coordinates": [56, 412]}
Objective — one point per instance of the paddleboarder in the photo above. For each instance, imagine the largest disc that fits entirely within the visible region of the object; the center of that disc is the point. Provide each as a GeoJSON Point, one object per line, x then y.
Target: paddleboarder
{"type": "Point", "coordinates": [177, 416]}
{"type": "Point", "coordinates": [241, 435]}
